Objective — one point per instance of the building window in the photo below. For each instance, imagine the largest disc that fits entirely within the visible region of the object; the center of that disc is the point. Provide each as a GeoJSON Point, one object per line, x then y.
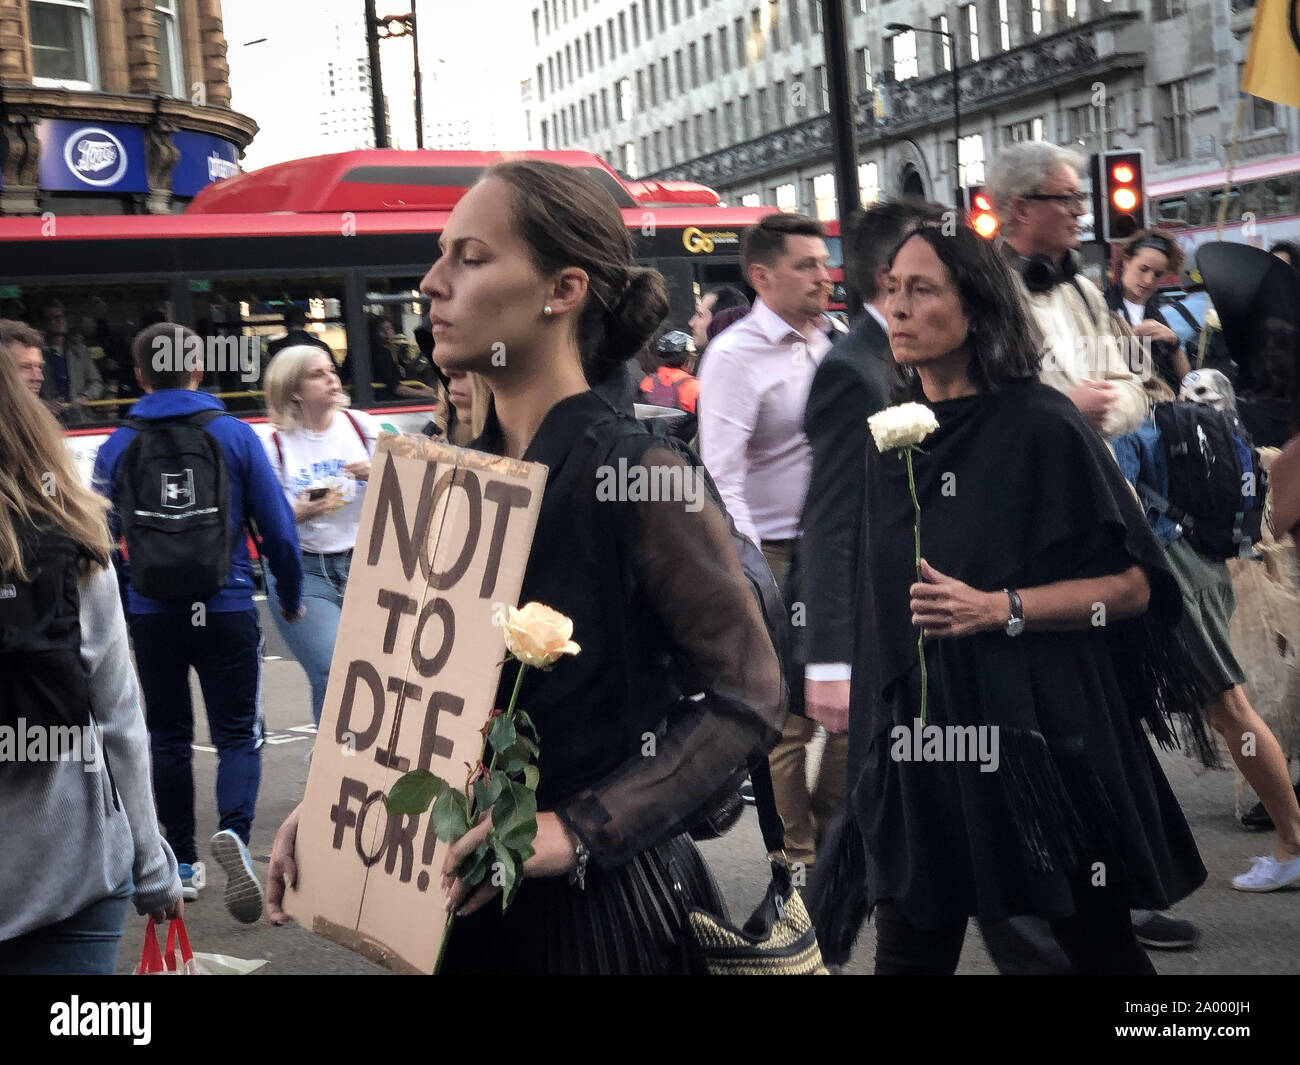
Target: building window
{"type": "Point", "coordinates": [738, 30]}
{"type": "Point", "coordinates": [1004, 25]}
{"type": "Point", "coordinates": [629, 160]}
{"type": "Point", "coordinates": [746, 117]}
{"type": "Point", "coordinates": [713, 128]}
{"type": "Point", "coordinates": [546, 128]}
{"type": "Point", "coordinates": [600, 46]}
{"type": "Point", "coordinates": [869, 182]}
{"type": "Point", "coordinates": [695, 65]}
{"type": "Point", "coordinates": [171, 74]}
{"type": "Point", "coordinates": [577, 47]}
{"type": "Point", "coordinates": [903, 46]}
{"type": "Point", "coordinates": [822, 89]}
{"type": "Point", "coordinates": [941, 44]}
{"type": "Point", "coordinates": [537, 27]}
{"type": "Point", "coordinates": [796, 23]}
{"type": "Point", "coordinates": [647, 160]}
{"type": "Point", "coordinates": [661, 159]}
{"type": "Point", "coordinates": [764, 119]}
{"type": "Point", "coordinates": [640, 90]}
{"type": "Point", "coordinates": [604, 108]}
{"type": "Point", "coordinates": [622, 35]}
{"type": "Point", "coordinates": [649, 32]}
{"type": "Point", "coordinates": [591, 65]}
{"type": "Point", "coordinates": [815, 11]}
{"type": "Point", "coordinates": [625, 101]}
{"type": "Point", "coordinates": [1031, 18]}
{"type": "Point", "coordinates": [568, 63]}
{"type": "Point", "coordinates": [823, 197]}
{"type": "Point", "coordinates": [679, 72]}
{"type": "Point", "coordinates": [1261, 114]}
{"type": "Point", "coordinates": [862, 69]}
{"type": "Point", "coordinates": [970, 34]}
{"type": "Point", "coordinates": [63, 44]}
{"type": "Point", "coordinates": [1071, 12]}
{"type": "Point", "coordinates": [1175, 107]}
{"type": "Point", "coordinates": [663, 64]}
{"type": "Point", "coordinates": [654, 86]}
{"type": "Point", "coordinates": [636, 34]}
{"type": "Point", "coordinates": [676, 13]}
{"type": "Point", "coordinates": [663, 23]}
{"type": "Point", "coordinates": [582, 114]}
{"type": "Point", "coordinates": [684, 137]}
{"type": "Point", "coordinates": [787, 198]}
{"type": "Point", "coordinates": [971, 170]}
{"type": "Point", "coordinates": [751, 199]}
{"type": "Point", "coordinates": [708, 57]}
{"type": "Point", "coordinates": [724, 53]}
{"type": "Point", "coordinates": [773, 28]}
{"type": "Point", "coordinates": [671, 158]}
{"type": "Point", "coordinates": [1029, 130]}
{"type": "Point", "coordinates": [700, 145]}
{"type": "Point", "coordinates": [729, 121]}
{"type": "Point", "coordinates": [778, 95]}
{"type": "Point", "coordinates": [1169, 9]}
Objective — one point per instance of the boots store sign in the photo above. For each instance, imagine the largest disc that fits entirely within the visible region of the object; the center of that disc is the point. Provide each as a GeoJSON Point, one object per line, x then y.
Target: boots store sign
{"type": "Point", "coordinates": [92, 157]}
{"type": "Point", "coordinates": [87, 156]}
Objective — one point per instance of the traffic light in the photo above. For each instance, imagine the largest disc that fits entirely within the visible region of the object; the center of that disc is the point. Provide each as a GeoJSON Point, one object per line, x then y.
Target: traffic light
{"type": "Point", "coordinates": [980, 215]}
{"type": "Point", "coordinates": [1119, 195]}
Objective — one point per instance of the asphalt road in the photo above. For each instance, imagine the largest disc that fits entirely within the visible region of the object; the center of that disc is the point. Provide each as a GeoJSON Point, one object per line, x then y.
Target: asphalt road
{"type": "Point", "coordinates": [1240, 933]}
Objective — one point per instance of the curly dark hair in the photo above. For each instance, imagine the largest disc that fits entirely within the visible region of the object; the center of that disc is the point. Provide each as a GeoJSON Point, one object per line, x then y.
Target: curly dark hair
{"type": "Point", "coordinates": [999, 340]}
{"type": "Point", "coordinates": [1159, 240]}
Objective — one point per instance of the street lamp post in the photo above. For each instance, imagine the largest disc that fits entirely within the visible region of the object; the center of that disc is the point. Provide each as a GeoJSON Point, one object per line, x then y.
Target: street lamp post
{"type": "Point", "coordinates": [903, 27]}
{"type": "Point", "coordinates": [844, 145]}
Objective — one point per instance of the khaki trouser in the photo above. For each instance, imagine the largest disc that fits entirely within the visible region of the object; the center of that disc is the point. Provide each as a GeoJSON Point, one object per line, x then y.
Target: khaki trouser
{"type": "Point", "coordinates": [806, 811]}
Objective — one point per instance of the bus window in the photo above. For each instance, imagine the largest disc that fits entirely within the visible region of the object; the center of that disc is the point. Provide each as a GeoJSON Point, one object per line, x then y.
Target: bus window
{"type": "Point", "coordinates": [1198, 208]}
{"type": "Point", "coordinates": [400, 343]}
{"type": "Point", "coordinates": [88, 327]}
{"type": "Point", "coordinates": [245, 320]}
{"type": "Point", "coordinates": [1277, 195]}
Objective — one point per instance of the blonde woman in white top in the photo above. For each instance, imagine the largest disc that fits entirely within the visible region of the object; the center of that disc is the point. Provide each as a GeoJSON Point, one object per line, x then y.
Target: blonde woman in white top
{"type": "Point", "coordinates": [320, 452]}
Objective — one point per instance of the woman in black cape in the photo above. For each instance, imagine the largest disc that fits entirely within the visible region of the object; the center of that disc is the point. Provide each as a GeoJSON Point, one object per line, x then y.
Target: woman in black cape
{"type": "Point", "coordinates": [1059, 808]}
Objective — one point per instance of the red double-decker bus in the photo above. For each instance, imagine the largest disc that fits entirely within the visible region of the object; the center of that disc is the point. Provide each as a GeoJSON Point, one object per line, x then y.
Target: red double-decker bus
{"type": "Point", "coordinates": [343, 238]}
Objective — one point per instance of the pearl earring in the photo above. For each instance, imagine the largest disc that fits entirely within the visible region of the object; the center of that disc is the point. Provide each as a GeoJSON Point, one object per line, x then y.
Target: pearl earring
{"type": "Point", "coordinates": [547, 310]}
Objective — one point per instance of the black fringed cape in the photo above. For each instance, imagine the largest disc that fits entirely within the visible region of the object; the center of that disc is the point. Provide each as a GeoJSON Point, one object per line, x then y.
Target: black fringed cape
{"type": "Point", "coordinates": [1016, 490]}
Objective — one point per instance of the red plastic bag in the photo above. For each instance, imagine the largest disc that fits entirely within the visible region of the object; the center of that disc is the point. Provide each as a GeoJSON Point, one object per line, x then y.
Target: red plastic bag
{"type": "Point", "coordinates": [175, 959]}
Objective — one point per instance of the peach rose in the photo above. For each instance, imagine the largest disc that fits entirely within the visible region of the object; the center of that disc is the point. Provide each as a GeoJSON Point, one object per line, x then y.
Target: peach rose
{"type": "Point", "coordinates": [536, 635]}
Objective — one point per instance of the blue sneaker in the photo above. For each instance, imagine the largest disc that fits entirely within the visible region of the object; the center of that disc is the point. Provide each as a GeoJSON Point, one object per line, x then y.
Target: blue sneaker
{"type": "Point", "coordinates": [193, 880]}
{"type": "Point", "coordinates": [243, 896]}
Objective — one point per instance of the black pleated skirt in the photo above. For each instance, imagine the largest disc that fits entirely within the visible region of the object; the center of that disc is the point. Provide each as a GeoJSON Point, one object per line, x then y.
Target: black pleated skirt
{"type": "Point", "coordinates": [627, 920]}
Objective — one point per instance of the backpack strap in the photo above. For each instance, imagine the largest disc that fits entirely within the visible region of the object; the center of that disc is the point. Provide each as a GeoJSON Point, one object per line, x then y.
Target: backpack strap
{"type": "Point", "coordinates": [1186, 315]}
{"type": "Point", "coordinates": [356, 425]}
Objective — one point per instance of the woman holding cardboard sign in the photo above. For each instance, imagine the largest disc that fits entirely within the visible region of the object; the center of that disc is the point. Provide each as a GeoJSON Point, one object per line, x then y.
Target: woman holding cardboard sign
{"type": "Point", "coordinates": [537, 290]}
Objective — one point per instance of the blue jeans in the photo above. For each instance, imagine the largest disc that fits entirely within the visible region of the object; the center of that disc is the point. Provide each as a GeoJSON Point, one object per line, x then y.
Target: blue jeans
{"type": "Point", "coordinates": [226, 653]}
{"type": "Point", "coordinates": [84, 944]}
{"type": "Point", "coordinates": [311, 638]}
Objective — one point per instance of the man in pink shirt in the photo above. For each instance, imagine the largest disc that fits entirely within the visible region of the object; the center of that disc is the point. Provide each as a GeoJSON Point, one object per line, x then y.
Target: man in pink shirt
{"type": "Point", "coordinates": [753, 391]}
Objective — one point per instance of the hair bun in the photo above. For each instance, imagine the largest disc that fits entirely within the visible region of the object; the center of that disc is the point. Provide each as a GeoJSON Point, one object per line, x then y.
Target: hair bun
{"type": "Point", "coordinates": [637, 312]}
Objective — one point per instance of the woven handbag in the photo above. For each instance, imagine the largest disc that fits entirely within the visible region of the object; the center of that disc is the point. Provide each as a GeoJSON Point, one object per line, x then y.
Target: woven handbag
{"type": "Point", "coordinates": [779, 938]}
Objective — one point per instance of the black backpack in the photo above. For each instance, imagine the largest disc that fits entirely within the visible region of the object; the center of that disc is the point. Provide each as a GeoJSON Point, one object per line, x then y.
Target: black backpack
{"type": "Point", "coordinates": [1216, 485]}
{"type": "Point", "coordinates": [173, 499]}
{"type": "Point", "coordinates": [43, 682]}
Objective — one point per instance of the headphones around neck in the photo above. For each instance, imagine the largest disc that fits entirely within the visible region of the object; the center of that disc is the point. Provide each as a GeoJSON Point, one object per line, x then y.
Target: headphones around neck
{"type": "Point", "coordinates": [1042, 273]}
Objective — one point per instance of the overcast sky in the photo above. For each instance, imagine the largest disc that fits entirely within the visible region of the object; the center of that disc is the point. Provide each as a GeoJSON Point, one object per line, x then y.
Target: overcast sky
{"type": "Point", "coordinates": [479, 51]}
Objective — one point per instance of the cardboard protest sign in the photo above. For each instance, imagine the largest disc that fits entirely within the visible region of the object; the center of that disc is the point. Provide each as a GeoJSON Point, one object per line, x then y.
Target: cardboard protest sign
{"type": "Point", "coordinates": [445, 534]}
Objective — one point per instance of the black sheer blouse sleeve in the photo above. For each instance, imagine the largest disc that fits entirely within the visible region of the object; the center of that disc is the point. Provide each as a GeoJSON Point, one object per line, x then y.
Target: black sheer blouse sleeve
{"type": "Point", "coordinates": [685, 565]}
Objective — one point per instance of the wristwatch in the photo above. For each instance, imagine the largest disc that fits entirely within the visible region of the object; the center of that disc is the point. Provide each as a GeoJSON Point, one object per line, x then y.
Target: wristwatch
{"type": "Point", "coordinates": [1015, 623]}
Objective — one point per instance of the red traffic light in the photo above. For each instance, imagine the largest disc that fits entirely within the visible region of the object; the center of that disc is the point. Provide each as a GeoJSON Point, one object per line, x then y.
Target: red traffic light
{"type": "Point", "coordinates": [981, 202]}
{"type": "Point", "coordinates": [1123, 173]}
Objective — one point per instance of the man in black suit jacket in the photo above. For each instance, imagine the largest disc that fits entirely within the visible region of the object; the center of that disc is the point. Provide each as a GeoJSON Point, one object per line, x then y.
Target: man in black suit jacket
{"type": "Point", "coordinates": [851, 384]}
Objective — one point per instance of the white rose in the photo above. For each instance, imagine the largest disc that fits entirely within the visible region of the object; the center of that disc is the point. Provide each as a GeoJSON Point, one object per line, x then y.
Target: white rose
{"type": "Point", "coordinates": [537, 635]}
{"type": "Point", "coordinates": [902, 426]}
{"type": "Point", "coordinates": [1212, 319]}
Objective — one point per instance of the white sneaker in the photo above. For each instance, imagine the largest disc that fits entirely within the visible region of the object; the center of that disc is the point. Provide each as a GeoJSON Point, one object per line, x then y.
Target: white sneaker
{"type": "Point", "coordinates": [243, 896]}
{"type": "Point", "coordinates": [1268, 874]}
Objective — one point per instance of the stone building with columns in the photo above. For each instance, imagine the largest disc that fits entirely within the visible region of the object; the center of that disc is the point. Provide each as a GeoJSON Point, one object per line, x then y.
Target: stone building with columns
{"type": "Point", "coordinates": [735, 94]}
{"type": "Point", "coordinates": [114, 106]}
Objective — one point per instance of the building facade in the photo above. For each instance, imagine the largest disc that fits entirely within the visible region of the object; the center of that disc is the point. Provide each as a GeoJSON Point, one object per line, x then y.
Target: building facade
{"type": "Point", "coordinates": [734, 93]}
{"type": "Point", "coordinates": [114, 106]}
